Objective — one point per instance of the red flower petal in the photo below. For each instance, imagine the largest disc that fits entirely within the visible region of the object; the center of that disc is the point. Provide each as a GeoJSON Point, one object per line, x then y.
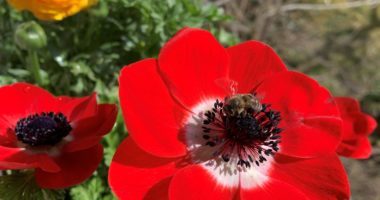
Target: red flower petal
{"type": "Point", "coordinates": [311, 137]}
{"type": "Point", "coordinates": [17, 158]}
{"type": "Point", "coordinates": [359, 148]}
{"type": "Point", "coordinates": [135, 174]}
{"type": "Point", "coordinates": [365, 124]}
{"type": "Point", "coordinates": [7, 135]}
{"type": "Point", "coordinates": [149, 111]}
{"type": "Point", "coordinates": [81, 144]}
{"type": "Point", "coordinates": [76, 109]}
{"type": "Point", "coordinates": [25, 99]}
{"type": "Point", "coordinates": [319, 178]}
{"type": "Point", "coordinates": [356, 128]}
{"type": "Point", "coordinates": [29, 99]}
{"type": "Point", "coordinates": [273, 189]}
{"type": "Point", "coordinates": [310, 119]}
{"type": "Point", "coordinates": [194, 182]}
{"type": "Point", "coordinates": [355, 121]}
{"type": "Point", "coordinates": [347, 104]}
{"type": "Point", "coordinates": [54, 168]}
{"type": "Point", "coordinates": [22, 99]}
{"type": "Point", "coordinates": [89, 132]}
{"type": "Point", "coordinates": [251, 63]}
{"type": "Point", "coordinates": [190, 66]}
{"type": "Point", "coordinates": [191, 63]}
{"type": "Point", "coordinates": [75, 168]}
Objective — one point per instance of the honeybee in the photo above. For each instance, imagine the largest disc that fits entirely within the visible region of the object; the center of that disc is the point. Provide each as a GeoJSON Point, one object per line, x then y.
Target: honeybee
{"type": "Point", "coordinates": [241, 104]}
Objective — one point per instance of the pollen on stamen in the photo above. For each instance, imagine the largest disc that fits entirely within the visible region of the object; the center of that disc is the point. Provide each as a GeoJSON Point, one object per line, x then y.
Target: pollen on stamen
{"type": "Point", "coordinates": [242, 128]}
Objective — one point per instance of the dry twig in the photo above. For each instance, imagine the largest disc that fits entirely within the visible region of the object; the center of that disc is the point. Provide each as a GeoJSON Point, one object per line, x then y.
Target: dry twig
{"type": "Point", "coordinates": [334, 6]}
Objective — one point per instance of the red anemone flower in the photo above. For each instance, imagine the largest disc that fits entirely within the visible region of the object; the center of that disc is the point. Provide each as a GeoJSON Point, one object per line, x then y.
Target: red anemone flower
{"type": "Point", "coordinates": [59, 137]}
{"type": "Point", "coordinates": [207, 122]}
{"type": "Point", "coordinates": [357, 126]}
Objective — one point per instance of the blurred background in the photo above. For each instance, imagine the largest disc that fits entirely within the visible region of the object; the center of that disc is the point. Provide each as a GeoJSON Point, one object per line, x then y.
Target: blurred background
{"type": "Point", "coordinates": [336, 42]}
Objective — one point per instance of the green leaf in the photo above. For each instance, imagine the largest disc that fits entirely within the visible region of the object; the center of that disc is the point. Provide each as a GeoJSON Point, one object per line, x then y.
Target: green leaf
{"type": "Point", "coordinates": [19, 73]}
{"type": "Point", "coordinates": [22, 186]}
{"type": "Point", "coordinates": [93, 189]}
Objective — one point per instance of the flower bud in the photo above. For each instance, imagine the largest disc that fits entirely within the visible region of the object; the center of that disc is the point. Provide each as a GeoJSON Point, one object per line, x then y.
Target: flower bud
{"type": "Point", "coordinates": [30, 36]}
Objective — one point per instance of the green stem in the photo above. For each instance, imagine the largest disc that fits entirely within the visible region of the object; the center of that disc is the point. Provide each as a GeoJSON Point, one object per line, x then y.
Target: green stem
{"type": "Point", "coordinates": [34, 66]}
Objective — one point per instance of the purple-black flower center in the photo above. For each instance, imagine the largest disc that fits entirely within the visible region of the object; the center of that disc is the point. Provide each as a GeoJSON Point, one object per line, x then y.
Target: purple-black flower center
{"type": "Point", "coordinates": [242, 128]}
{"type": "Point", "coordinates": [42, 129]}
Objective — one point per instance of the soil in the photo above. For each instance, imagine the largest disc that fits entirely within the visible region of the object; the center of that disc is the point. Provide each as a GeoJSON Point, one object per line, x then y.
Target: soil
{"type": "Point", "coordinates": [364, 177]}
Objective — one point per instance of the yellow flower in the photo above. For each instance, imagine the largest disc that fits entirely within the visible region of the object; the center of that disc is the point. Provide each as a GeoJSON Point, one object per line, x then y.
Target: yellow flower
{"type": "Point", "coordinates": [52, 9]}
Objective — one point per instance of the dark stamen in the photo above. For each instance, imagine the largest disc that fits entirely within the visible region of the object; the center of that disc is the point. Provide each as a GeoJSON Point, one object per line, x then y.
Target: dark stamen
{"type": "Point", "coordinates": [250, 131]}
{"type": "Point", "coordinates": [210, 143]}
{"type": "Point", "coordinates": [206, 137]}
{"type": "Point", "coordinates": [42, 129]}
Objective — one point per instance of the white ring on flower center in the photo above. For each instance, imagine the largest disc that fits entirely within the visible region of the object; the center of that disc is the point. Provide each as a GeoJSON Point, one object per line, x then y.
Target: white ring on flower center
{"type": "Point", "coordinates": [227, 174]}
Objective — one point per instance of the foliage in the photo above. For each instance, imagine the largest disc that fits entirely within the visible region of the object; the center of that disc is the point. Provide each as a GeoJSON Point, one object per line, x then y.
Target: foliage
{"type": "Point", "coordinates": [85, 53]}
{"type": "Point", "coordinates": [24, 187]}
{"type": "Point", "coordinates": [95, 188]}
{"type": "Point", "coordinates": [88, 50]}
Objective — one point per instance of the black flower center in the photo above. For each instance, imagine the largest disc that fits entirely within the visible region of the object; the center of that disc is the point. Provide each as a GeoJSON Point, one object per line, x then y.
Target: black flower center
{"type": "Point", "coordinates": [243, 128]}
{"type": "Point", "coordinates": [42, 129]}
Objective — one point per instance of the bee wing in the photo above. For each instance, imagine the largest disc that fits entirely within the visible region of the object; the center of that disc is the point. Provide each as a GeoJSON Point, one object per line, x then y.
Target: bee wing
{"type": "Point", "coordinates": [258, 96]}
{"type": "Point", "coordinates": [229, 86]}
